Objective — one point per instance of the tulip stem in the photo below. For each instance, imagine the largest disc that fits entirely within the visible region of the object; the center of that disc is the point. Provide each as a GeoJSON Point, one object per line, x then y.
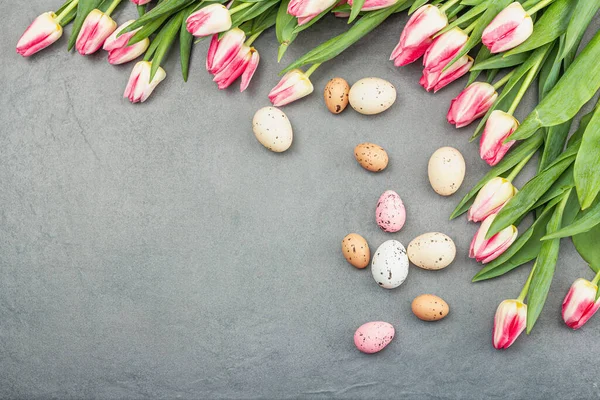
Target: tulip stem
{"type": "Point", "coordinates": [112, 7]}
{"type": "Point", "coordinates": [503, 80]}
{"type": "Point", "coordinates": [240, 7]}
{"type": "Point", "coordinates": [312, 69]}
{"type": "Point", "coordinates": [448, 5]}
{"type": "Point", "coordinates": [470, 28]}
{"type": "Point", "coordinates": [519, 167]}
{"type": "Point", "coordinates": [252, 38]}
{"type": "Point", "coordinates": [528, 79]}
{"type": "Point", "coordinates": [67, 10]}
{"type": "Point", "coordinates": [596, 278]}
{"type": "Point", "coordinates": [526, 287]}
{"type": "Point", "coordinates": [539, 6]}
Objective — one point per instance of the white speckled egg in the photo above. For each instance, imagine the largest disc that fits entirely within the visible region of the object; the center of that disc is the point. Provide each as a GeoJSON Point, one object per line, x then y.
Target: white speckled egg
{"type": "Point", "coordinates": [390, 213]}
{"type": "Point", "coordinates": [446, 170]}
{"type": "Point", "coordinates": [372, 95]}
{"type": "Point", "coordinates": [373, 337]}
{"type": "Point", "coordinates": [432, 250]}
{"type": "Point", "coordinates": [272, 128]}
{"type": "Point", "coordinates": [390, 264]}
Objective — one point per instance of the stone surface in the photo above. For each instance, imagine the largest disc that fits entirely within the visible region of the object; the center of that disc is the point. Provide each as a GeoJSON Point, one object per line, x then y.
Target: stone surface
{"type": "Point", "coordinates": [159, 251]}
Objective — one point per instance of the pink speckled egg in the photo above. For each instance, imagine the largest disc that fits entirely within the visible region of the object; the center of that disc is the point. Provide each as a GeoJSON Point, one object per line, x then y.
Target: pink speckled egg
{"type": "Point", "coordinates": [390, 213]}
{"type": "Point", "coordinates": [373, 336]}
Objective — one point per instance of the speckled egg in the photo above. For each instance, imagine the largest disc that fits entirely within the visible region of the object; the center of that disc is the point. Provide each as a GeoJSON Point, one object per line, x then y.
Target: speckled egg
{"type": "Point", "coordinates": [272, 128]}
{"type": "Point", "coordinates": [336, 95]}
{"type": "Point", "coordinates": [446, 170]}
{"type": "Point", "coordinates": [390, 264]}
{"type": "Point", "coordinates": [429, 307]}
{"type": "Point", "coordinates": [371, 157]}
{"type": "Point", "coordinates": [356, 250]}
{"type": "Point", "coordinates": [373, 337]}
{"type": "Point", "coordinates": [432, 250]}
{"type": "Point", "coordinates": [390, 213]}
{"type": "Point", "coordinates": [372, 95]}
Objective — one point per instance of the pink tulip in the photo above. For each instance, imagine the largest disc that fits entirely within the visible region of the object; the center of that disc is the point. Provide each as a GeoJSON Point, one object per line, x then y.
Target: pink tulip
{"type": "Point", "coordinates": [439, 78]}
{"type": "Point", "coordinates": [118, 51]}
{"type": "Point", "coordinates": [293, 86]}
{"type": "Point", "coordinates": [416, 36]}
{"type": "Point", "coordinates": [509, 29]}
{"type": "Point", "coordinates": [498, 127]}
{"type": "Point", "coordinates": [580, 304]}
{"type": "Point", "coordinates": [486, 250]}
{"type": "Point", "coordinates": [214, 18]}
{"type": "Point", "coordinates": [472, 103]}
{"type": "Point", "coordinates": [43, 31]}
{"type": "Point", "coordinates": [140, 2]}
{"type": "Point", "coordinates": [221, 52]}
{"type": "Point", "coordinates": [444, 48]}
{"type": "Point", "coordinates": [303, 9]}
{"type": "Point", "coordinates": [491, 198]}
{"type": "Point", "coordinates": [371, 5]}
{"type": "Point", "coordinates": [139, 87]}
{"type": "Point", "coordinates": [244, 64]}
{"type": "Point", "coordinates": [510, 320]}
{"type": "Point", "coordinates": [96, 28]}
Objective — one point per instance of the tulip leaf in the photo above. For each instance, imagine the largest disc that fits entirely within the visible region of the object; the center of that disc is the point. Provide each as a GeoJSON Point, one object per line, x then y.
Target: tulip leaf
{"type": "Point", "coordinates": [355, 9]}
{"type": "Point", "coordinates": [587, 221]}
{"type": "Point", "coordinates": [165, 8]}
{"type": "Point", "coordinates": [168, 34]}
{"type": "Point", "coordinates": [84, 7]}
{"type": "Point", "coordinates": [416, 5]}
{"type": "Point", "coordinates": [509, 161]}
{"type": "Point", "coordinates": [577, 86]}
{"type": "Point", "coordinates": [587, 247]}
{"type": "Point", "coordinates": [587, 163]}
{"type": "Point", "coordinates": [186, 41]}
{"type": "Point", "coordinates": [582, 15]}
{"type": "Point", "coordinates": [464, 19]}
{"type": "Point", "coordinates": [498, 61]}
{"type": "Point", "coordinates": [147, 30]}
{"type": "Point", "coordinates": [141, 10]}
{"type": "Point", "coordinates": [284, 28]}
{"type": "Point", "coordinates": [550, 26]}
{"type": "Point", "coordinates": [562, 184]}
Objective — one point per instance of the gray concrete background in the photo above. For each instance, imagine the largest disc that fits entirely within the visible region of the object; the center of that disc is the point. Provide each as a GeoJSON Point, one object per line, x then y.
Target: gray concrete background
{"type": "Point", "coordinates": [159, 251]}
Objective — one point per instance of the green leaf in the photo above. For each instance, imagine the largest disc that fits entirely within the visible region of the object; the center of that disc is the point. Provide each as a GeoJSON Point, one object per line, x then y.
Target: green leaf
{"type": "Point", "coordinates": [141, 10]}
{"type": "Point", "coordinates": [563, 183]}
{"type": "Point", "coordinates": [577, 86]}
{"type": "Point", "coordinates": [84, 7]}
{"type": "Point", "coordinates": [168, 34]}
{"type": "Point", "coordinates": [587, 247]}
{"type": "Point", "coordinates": [166, 8]}
{"type": "Point", "coordinates": [498, 61]}
{"type": "Point", "coordinates": [186, 41]}
{"type": "Point", "coordinates": [551, 25]}
{"type": "Point", "coordinates": [482, 55]}
{"type": "Point", "coordinates": [355, 9]}
{"type": "Point", "coordinates": [588, 220]}
{"type": "Point", "coordinates": [464, 19]}
{"type": "Point", "coordinates": [587, 163]}
{"type": "Point", "coordinates": [582, 15]}
{"type": "Point", "coordinates": [284, 28]}
{"type": "Point", "coordinates": [147, 30]}
{"type": "Point", "coordinates": [415, 6]}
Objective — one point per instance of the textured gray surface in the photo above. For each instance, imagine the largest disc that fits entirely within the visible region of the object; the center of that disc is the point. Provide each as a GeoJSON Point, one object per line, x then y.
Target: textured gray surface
{"type": "Point", "coordinates": [160, 251]}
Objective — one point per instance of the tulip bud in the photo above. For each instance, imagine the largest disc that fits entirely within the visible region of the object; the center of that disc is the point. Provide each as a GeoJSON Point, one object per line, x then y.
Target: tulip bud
{"type": "Point", "coordinates": [139, 87]}
{"type": "Point", "coordinates": [491, 198]}
{"type": "Point", "coordinates": [214, 18]}
{"type": "Point", "coordinates": [472, 103]}
{"type": "Point", "coordinates": [509, 29]}
{"type": "Point", "coordinates": [221, 52]}
{"type": "Point", "coordinates": [244, 64]}
{"type": "Point", "coordinates": [486, 250]}
{"type": "Point", "coordinates": [498, 127]}
{"type": "Point", "coordinates": [370, 5]}
{"type": "Point", "coordinates": [43, 31]}
{"type": "Point", "coordinates": [118, 51]}
{"type": "Point", "coordinates": [444, 48]}
{"type": "Point", "coordinates": [510, 320]}
{"type": "Point", "coordinates": [96, 28]}
{"type": "Point", "coordinates": [416, 35]}
{"type": "Point", "coordinates": [437, 78]}
{"type": "Point", "coordinates": [580, 304]}
{"type": "Point", "coordinates": [303, 9]}
{"type": "Point", "coordinates": [293, 86]}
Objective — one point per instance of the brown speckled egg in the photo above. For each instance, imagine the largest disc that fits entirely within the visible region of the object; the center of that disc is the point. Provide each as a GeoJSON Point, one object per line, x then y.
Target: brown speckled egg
{"type": "Point", "coordinates": [356, 250]}
{"type": "Point", "coordinates": [336, 95]}
{"type": "Point", "coordinates": [371, 157]}
{"type": "Point", "coordinates": [432, 250]}
{"type": "Point", "coordinates": [428, 307]}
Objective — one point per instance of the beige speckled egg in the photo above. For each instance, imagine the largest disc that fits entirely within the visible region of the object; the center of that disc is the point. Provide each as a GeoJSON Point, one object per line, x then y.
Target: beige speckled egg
{"type": "Point", "coordinates": [429, 307]}
{"type": "Point", "coordinates": [446, 170]}
{"type": "Point", "coordinates": [432, 250]}
{"type": "Point", "coordinates": [372, 95]}
{"type": "Point", "coordinates": [356, 250]}
{"type": "Point", "coordinates": [336, 95]}
{"type": "Point", "coordinates": [272, 129]}
{"type": "Point", "coordinates": [371, 157]}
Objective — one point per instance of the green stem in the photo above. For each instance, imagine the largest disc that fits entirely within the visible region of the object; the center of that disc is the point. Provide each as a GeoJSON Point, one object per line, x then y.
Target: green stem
{"type": "Point", "coordinates": [519, 167]}
{"type": "Point", "coordinates": [252, 38]}
{"type": "Point", "coordinates": [240, 8]}
{"type": "Point", "coordinates": [312, 69]}
{"type": "Point", "coordinates": [448, 5]}
{"type": "Point", "coordinates": [528, 79]}
{"type": "Point", "coordinates": [470, 28]}
{"type": "Point", "coordinates": [112, 7]}
{"type": "Point", "coordinates": [596, 278]}
{"type": "Point", "coordinates": [67, 10]}
{"type": "Point", "coordinates": [526, 287]}
{"type": "Point", "coordinates": [141, 10]}
{"type": "Point", "coordinates": [503, 80]}
{"type": "Point", "coordinates": [539, 6]}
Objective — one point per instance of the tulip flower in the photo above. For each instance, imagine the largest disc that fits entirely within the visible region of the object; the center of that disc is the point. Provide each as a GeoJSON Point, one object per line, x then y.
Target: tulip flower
{"type": "Point", "coordinates": [435, 79]}
{"type": "Point", "coordinates": [214, 18]}
{"type": "Point", "coordinates": [416, 35]}
{"type": "Point", "coordinates": [499, 126]}
{"type": "Point", "coordinates": [510, 320]}
{"type": "Point", "coordinates": [139, 87]}
{"type": "Point", "coordinates": [370, 5]}
{"type": "Point", "coordinates": [118, 51]}
{"type": "Point", "coordinates": [305, 10]}
{"type": "Point", "coordinates": [221, 52]}
{"type": "Point", "coordinates": [486, 250]}
{"type": "Point", "coordinates": [96, 28]}
{"type": "Point", "coordinates": [444, 48]}
{"type": "Point", "coordinates": [472, 103]}
{"type": "Point", "coordinates": [43, 31]}
{"type": "Point", "coordinates": [244, 64]}
{"type": "Point", "coordinates": [509, 29]}
{"type": "Point", "coordinates": [491, 198]}
{"type": "Point", "coordinates": [580, 304]}
{"type": "Point", "coordinates": [293, 86]}
{"type": "Point", "coordinates": [140, 2]}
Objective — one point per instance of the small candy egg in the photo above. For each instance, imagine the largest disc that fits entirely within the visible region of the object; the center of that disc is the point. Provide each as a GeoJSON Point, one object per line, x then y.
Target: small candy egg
{"type": "Point", "coordinates": [373, 337]}
{"type": "Point", "coordinates": [446, 170]}
{"type": "Point", "coordinates": [272, 129]}
{"type": "Point", "coordinates": [432, 250]}
{"type": "Point", "coordinates": [356, 250]}
{"type": "Point", "coordinates": [390, 213]}
{"type": "Point", "coordinates": [372, 95]}
{"type": "Point", "coordinates": [390, 264]}
{"type": "Point", "coordinates": [429, 307]}
{"type": "Point", "coordinates": [336, 95]}
{"type": "Point", "coordinates": [371, 157]}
